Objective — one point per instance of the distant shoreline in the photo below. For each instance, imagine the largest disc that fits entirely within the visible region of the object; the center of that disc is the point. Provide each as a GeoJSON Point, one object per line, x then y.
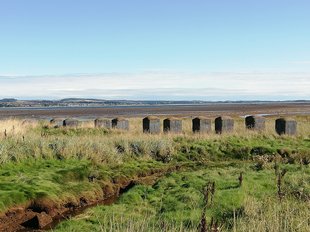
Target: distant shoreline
{"type": "Point", "coordinates": [95, 103]}
{"type": "Point", "coordinates": [182, 110]}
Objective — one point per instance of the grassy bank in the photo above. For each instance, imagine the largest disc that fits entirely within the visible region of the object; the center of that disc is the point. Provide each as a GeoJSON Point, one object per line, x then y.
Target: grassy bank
{"type": "Point", "coordinates": [175, 202]}
{"type": "Point", "coordinates": [55, 166]}
{"type": "Point", "coordinates": [55, 182]}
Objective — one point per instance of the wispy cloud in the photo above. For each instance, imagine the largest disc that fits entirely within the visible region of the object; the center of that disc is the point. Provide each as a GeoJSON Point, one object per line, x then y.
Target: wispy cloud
{"type": "Point", "coordinates": [158, 85]}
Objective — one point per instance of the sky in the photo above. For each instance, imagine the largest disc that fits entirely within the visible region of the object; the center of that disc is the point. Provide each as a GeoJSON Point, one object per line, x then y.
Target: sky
{"type": "Point", "coordinates": [155, 49]}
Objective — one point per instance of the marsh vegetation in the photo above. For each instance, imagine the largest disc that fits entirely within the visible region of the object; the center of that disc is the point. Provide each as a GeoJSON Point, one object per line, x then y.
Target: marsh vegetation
{"type": "Point", "coordinates": [239, 181]}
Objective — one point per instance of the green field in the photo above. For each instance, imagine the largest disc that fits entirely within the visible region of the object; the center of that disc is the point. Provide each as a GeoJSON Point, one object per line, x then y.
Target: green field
{"type": "Point", "coordinates": [53, 167]}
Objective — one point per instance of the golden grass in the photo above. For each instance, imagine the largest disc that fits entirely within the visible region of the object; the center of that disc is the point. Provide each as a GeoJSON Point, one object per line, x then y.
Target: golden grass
{"type": "Point", "coordinates": [274, 216]}
{"type": "Point", "coordinates": [303, 128]}
{"type": "Point", "coordinates": [25, 139]}
{"type": "Point", "coordinates": [12, 127]}
{"type": "Point", "coordinates": [20, 127]}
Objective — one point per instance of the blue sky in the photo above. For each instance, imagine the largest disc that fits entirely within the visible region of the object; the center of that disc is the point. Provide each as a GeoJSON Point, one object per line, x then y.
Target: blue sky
{"type": "Point", "coordinates": [157, 49]}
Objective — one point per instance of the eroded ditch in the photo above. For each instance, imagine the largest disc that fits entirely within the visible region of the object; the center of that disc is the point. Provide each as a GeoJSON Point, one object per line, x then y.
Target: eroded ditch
{"type": "Point", "coordinates": [42, 217]}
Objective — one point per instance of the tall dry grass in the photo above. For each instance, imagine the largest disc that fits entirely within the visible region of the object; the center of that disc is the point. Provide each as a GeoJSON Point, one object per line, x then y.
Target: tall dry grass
{"type": "Point", "coordinates": [21, 139]}
{"type": "Point", "coordinates": [274, 216]}
{"type": "Point", "coordinates": [16, 127]}
{"type": "Point", "coordinates": [239, 127]}
{"type": "Point", "coordinates": [258, 216]}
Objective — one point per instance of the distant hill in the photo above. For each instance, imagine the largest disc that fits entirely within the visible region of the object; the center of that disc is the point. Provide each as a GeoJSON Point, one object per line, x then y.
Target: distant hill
{"type": "Point", "coordinates": [89, 102]}
{"type": "Point", "coordinates": [8, 100]}
{"type": "Point", "coordinates": [81, 99]}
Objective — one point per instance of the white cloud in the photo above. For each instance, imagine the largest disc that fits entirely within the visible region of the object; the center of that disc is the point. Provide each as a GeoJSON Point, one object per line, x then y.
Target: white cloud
{"type": "Point", "coordinates": [161, 85]}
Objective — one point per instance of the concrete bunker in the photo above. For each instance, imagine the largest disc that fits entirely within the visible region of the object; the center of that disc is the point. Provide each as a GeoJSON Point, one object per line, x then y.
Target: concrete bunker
{"type": "Point", "coordinates": [120, 123]}
{"type": "Point", "coordinates": [255, 122]}
{"type": "Point", "coordinates": [151, 124]}
{"type": "Point", "coordinates": [224, 124]}
{"type": "Point", "coordinates": [286, 126]}
{"type": "Point", "coordinates": [173, 125]}
{"type": "Point", "coordinates": [202, 125]}
{"type": "Point", "coordinates": [71, 122]}
{"type": "Point", "coordinates": [56, 122]}
{"type": "Point", "coordinates": [103, 123]}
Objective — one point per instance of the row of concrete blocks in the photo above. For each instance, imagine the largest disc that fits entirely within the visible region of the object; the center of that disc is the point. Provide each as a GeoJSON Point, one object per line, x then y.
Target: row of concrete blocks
{"type": "Point", "coordinates": [117, 123]}
{"type": "Point", "coordinates": [222, 125]}
{"type": "Point", "coordinates": [152, 124]}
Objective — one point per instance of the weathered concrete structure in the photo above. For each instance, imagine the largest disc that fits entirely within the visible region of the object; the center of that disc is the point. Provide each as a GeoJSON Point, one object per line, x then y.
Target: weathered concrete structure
{"type": "Point", "coordinates": [56, 122]}
{"type": "Point", "coordinates": [286, 126]}
{"type": "Point", "coordinates": [70, 122]}
{"type": "Point", "coordinates": [120, 123]}
{"type": "Point", "coordinates": [103, 123]}
{"type": "Point", "coordinates": [255, 123]}
{"type": "Point", "coordinates": [173, 125]}
{"type": "Point", "coordinates": [224, 124]}
{"type": "Point", "coordinates": [202, 125]}
{"type": "Point", "coordinates": [151, 125]}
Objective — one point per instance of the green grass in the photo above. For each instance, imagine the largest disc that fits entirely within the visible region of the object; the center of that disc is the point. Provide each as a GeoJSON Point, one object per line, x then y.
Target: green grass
{"type": "Point", "coordinates": [33, 179]}
{"type": "Point", "coordinates": [62, 180]}
{"type": "Point", "coordinates": [53, 165]}
{"type": "Point", "coordinates": [176, 201]}
{"type": "Point", "coordinates": [244, 148]}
